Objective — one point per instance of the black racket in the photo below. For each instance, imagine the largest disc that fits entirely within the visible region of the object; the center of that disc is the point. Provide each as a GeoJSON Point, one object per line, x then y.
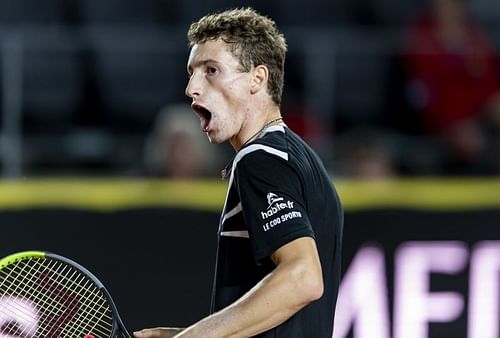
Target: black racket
{"type": "Point", "coordinates": [47, 295]}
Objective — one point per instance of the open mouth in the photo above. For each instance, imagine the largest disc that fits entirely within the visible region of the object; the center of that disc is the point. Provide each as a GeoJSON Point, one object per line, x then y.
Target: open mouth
{"type": "Point", "coordinates": [204, 114]}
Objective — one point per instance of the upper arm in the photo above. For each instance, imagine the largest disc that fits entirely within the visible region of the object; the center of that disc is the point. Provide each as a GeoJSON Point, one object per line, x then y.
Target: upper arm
{"type": "Point", "coordinates": [300, 259]}
{"type": "Point", "coordinates": [303, 248]}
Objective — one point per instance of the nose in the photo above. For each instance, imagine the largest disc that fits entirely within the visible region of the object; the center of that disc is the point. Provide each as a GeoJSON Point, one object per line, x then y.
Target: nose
{"type": "Point", "coordinates": [193, 88]}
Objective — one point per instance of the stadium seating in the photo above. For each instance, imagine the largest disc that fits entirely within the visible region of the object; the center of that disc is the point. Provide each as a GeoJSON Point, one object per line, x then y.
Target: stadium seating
{"type": "Point", "coordinates": [51, 83]}
{"type": "Point", "coordinates": [32, 12]}
{"type": "Point", "coordinates": [137, 74]}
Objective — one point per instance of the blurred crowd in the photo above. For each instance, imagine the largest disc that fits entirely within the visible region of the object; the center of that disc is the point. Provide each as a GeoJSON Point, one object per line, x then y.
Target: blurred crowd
{"type": "Point", "coordinates": [444, 114]}
{"type": "Point", "coordinates": [427, 103]}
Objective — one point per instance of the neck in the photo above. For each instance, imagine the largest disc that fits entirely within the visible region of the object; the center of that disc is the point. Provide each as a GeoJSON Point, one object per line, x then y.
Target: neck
{"type": "Point", "coordinates": [253, 131]}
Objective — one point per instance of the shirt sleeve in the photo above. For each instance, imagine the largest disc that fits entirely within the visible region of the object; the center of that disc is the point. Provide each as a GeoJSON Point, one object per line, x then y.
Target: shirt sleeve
{"type": "Point", "coordinates": [273, 203]}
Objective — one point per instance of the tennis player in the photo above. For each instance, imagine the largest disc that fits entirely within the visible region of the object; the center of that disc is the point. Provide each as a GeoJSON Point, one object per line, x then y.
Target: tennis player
{"type": "Point", "coordinates": [278, 259]}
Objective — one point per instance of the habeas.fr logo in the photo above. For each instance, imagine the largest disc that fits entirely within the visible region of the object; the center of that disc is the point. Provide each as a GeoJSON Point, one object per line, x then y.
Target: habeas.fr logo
{"type": "Point", "coordinates": [275, 204]}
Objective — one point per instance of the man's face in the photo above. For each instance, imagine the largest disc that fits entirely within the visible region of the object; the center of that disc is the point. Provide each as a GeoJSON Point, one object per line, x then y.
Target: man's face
{"type": "Point", "coordinates": [219, 89]}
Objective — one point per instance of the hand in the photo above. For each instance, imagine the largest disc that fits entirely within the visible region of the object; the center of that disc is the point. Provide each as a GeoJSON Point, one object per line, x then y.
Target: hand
{"type": "Point", "coordinates": [159, 332]}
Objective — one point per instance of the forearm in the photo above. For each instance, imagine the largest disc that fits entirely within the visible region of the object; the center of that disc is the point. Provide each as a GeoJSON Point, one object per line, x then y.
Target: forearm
{"type": "Point", "coordinates": [271, 302]}
{"type": "Point", "coordinates": [159, 332]}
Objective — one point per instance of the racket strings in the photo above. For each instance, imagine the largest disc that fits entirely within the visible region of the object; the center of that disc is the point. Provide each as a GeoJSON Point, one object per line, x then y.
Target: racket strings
{"type": "Point", "coordinates": [43, 300]}
{"type": "Point", "coordinates": [94, 293]}
{"type": "Point", "coordinates": [58, 295]}
{"type": "Point", "coordinates": [16, 286]}
{"type": "Point", "coordinates": [55, 296]}
{"type": "Point", "coordinates": [68, 303]}
{"type": "Point", "coordinates": [26, 314]}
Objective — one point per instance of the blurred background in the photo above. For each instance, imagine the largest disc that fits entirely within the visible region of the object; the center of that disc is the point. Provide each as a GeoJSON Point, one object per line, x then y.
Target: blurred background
{"type": "Point", "coordinates": [102, 160]}
{"type": "Point", "coordinates": [380, 89]}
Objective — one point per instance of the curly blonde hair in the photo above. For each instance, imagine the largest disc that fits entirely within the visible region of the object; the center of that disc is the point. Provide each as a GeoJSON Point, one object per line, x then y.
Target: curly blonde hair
{"type": "Point", "coordinates": [253, 38]}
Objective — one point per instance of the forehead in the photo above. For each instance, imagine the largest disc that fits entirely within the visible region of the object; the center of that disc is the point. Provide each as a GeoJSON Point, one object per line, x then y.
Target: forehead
{"type": "Point", "coordinates": [211, 51]}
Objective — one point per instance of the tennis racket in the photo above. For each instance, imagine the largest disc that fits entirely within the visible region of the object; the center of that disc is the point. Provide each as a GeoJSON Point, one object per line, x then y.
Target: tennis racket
{"type": "Point", "coordinates": [47, 295]}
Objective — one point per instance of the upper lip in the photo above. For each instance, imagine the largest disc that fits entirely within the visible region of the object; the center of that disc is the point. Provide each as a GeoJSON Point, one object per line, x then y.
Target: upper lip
{"type": "Point", "coordinates": [201, 110]}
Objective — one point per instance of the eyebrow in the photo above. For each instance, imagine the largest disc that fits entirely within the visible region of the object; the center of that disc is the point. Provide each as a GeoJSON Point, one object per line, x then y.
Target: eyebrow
{"type": "Point", "coordinates": [199, 63]}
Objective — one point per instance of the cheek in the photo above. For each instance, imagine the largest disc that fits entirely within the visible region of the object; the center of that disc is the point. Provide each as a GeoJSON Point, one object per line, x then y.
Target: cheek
{"type": "Point", "coordinates": [230, 98]}
{"type": "Point", "coordinates": [236, 103]}
{"type": "Point", "coordinates": [236, 91]}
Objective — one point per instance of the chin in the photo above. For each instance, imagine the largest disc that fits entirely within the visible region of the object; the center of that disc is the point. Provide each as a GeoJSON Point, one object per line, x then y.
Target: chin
{"type": "Point", "coordinates": [215, 140]}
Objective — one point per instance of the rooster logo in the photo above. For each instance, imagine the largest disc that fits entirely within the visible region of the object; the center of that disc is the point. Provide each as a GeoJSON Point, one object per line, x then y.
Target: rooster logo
{"type": "Point", "coordinates": [273, 198]}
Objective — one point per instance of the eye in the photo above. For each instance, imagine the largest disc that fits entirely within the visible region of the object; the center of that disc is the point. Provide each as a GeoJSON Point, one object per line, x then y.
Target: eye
{"type": "Point", "coordinates": [211, 70]}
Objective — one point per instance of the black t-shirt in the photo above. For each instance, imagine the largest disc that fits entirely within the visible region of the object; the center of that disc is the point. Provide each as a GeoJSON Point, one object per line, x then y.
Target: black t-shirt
{"type": "Point", "coordinates": [278, 191]}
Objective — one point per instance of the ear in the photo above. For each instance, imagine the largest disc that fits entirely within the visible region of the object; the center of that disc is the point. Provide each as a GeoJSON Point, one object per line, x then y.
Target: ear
{"type": "Point", "coordinates": [260, 76]}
